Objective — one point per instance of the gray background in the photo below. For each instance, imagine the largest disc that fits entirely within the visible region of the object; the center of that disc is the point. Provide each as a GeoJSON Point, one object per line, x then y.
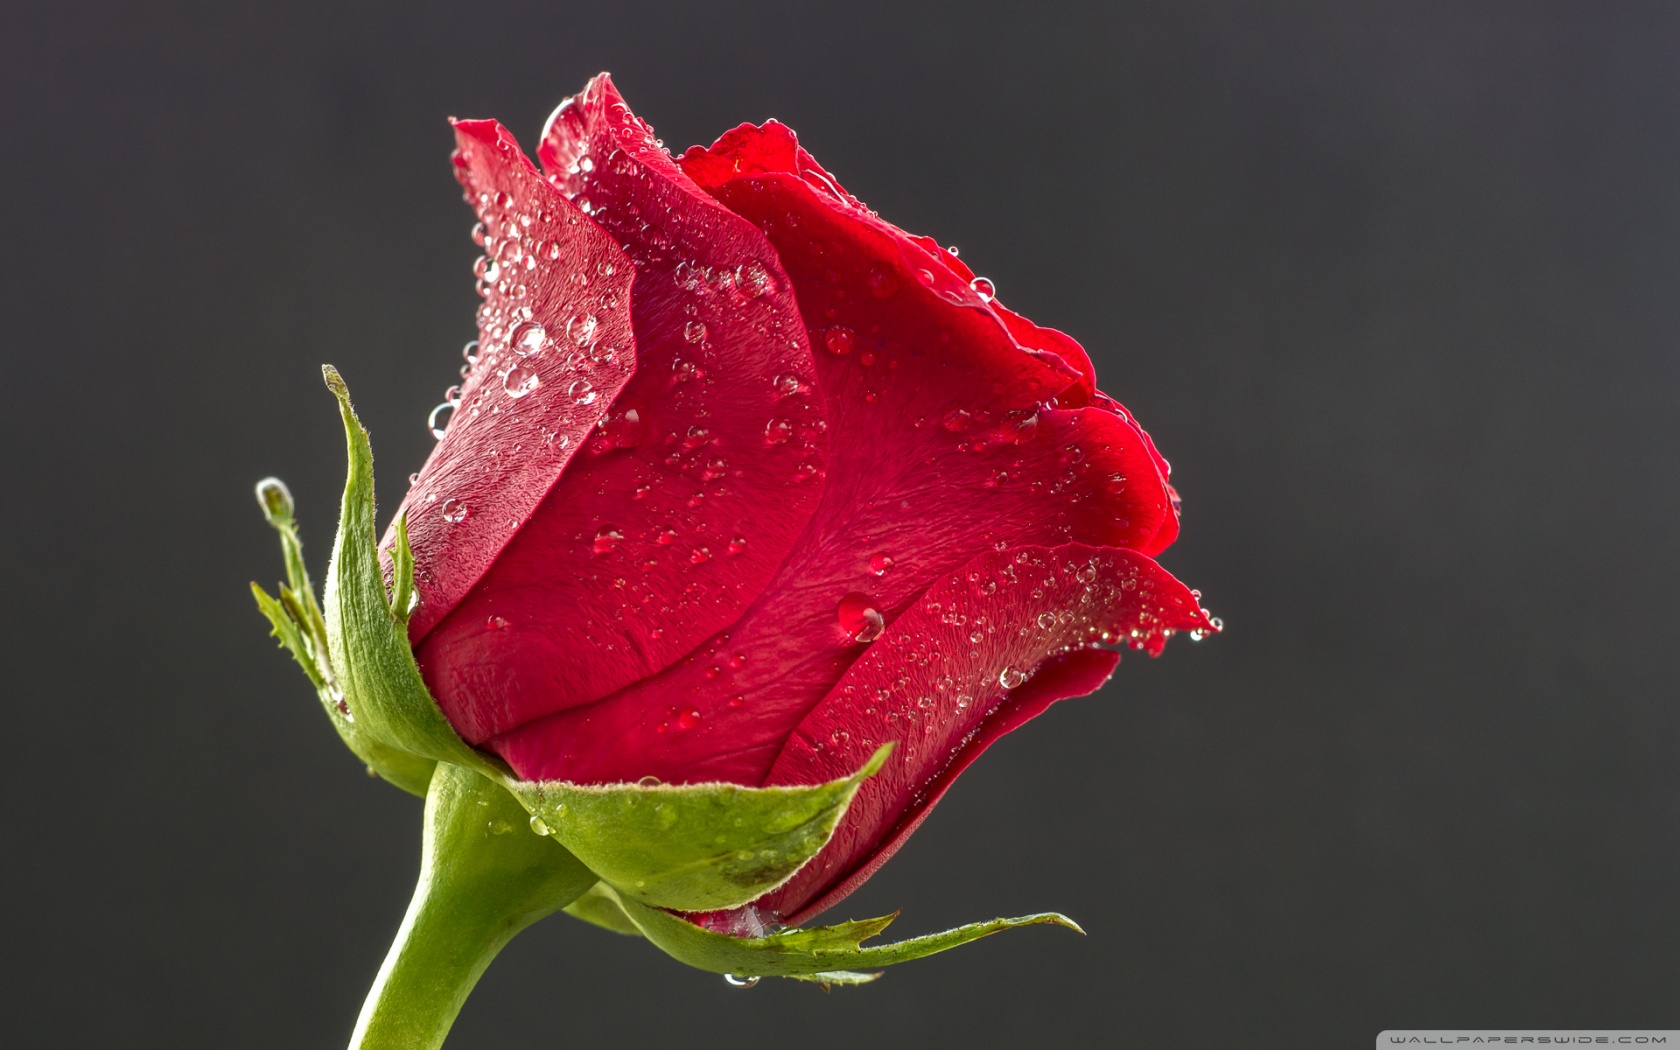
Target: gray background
{"type": "Point", "coordinates": [1393, 285]}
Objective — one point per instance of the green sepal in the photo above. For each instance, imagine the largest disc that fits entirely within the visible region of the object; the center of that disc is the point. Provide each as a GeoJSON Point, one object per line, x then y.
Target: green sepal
{"type": "Point", "coordinates": [600, 907]}
{"type": "Point", "coordinates": [368, 641]}
{"type": "Point", "coordinates": [693, 847]}
{"type": "Point", "coordinates": [302, 631]}
{"type": "Point", "coordinates": [817, 953]}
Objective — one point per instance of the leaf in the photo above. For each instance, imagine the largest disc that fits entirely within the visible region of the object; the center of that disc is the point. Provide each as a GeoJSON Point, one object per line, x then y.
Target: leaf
{"type": "Point", "coordinates": [818, 953]}
{"type": "Point", "coordinates": [387, 699]}
{"type": "Point", "coordinates": [301, 630]}
{"type": "Point", "coordinates": [693, 847]}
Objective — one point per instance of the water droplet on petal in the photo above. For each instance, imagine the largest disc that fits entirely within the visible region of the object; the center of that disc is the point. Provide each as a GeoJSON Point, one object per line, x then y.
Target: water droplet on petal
{"type": "Point", "coordinates": [622, 428]}
{"type": "Point", "coordinates": [787, 384]}
{"type": "Point", "coordinates": [694, 331]}
{"type": "Point", "coordinates": [880, 563]}
{"type": "Point", "coordinates": [778, 431]}
{"type": "Point", "coordinates": [859, 618]}
{"type": "Point", "coordinates": [1047, 620]}
{"type": "Point", "coordinates": [438, 421]}
{"type": "Point", "coordinates": [495, 623]}
{"type": "Point", "coordinates": [881, 282]}
{"type": "Point", "coordinates": [753, 280]}
{"type": "Point", "coordinates": [583, 392]}
{"type": "Point", "coordinates": [839, 340]}
{"type": "Point", "coordinates": [736, 545]}
{"type": "Point", "coordinates": [984, 288]}
{"type": "Point", "coordinates": [689, 718]}
{"type": "Point", "coordinates": [607, 540]}
{"type": "Point", "coordinates": [582, 328]}
{"type": "Point", "coordinates": [1011, 677]}
{"type": "Point", "coordinates": [453, 510]}
{"type": "Point", "coordinates": [520, 380]}
{"type": "Point", "coordinates": [529, 338]}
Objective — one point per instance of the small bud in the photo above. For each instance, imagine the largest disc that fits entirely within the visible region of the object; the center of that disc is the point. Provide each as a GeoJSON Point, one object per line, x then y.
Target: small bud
{"type": "Point", "coordinates": [276, 500]}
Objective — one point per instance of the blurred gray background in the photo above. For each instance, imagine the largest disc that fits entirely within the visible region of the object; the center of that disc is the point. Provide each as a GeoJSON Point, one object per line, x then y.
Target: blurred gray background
{"type": "Point", "coordinates": [1393, 286]}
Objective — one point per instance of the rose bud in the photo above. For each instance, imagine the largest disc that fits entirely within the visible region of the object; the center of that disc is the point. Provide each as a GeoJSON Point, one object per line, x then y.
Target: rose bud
{"type": "Point", "coordinates": [742, 485]}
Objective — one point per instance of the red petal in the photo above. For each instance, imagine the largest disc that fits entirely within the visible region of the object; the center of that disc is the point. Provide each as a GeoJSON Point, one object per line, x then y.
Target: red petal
{"type": "Point", "coordinates": [1064, 677]}
{"type": "Point", "coordinates": [942, 445]}
{"type": "Point", "coordinates": [954, 673]}
{"type": "Point", "coordinates": [672, 520]}
{"type": "Point", "coordinates": [501, 453]}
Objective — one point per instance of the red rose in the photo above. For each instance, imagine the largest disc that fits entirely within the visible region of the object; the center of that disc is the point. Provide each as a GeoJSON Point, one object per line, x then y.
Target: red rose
{"type": "Point", "coordinates": [744, 482]}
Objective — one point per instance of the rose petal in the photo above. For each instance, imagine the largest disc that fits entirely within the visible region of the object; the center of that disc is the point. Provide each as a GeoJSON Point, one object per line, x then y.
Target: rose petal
{"type": "Point", "coordinates": [943, 444]}
{"type": "Point", "coordinates": [501, 453]}
{"type": "Point", "coordinates": [954, 673]}
{"type": "Point", "coordinates": [1064, 677]}
{"type": "Point", "coordinates": [688, 497]}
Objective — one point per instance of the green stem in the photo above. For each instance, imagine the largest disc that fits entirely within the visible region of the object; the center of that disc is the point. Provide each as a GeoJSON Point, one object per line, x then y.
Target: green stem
{"type": "Point", "coordinates": [484, 876]}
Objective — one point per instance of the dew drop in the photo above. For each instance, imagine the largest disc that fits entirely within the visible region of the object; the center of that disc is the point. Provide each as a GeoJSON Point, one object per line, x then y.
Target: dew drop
{"type": "Point", "coordinates": [984, 288]}
{"type": "Point", "coordinates": [859, 618]}
{"type": "Point", "coordinates": [699, 556]}
{"type": "Point", "coordinates": [1047, 620]}
{"type": "Point", "coordinates": [956, 420]}
{"type": "Point", "coordinates": [582, 329]}
{"type": "Point", "coordinates": [787, 384]}
{"type": "Point", "coordinates": [453, 511]}
{"type": "Point", "coordinates": [622, 428]}
{"type": "Point", "coordinates": [583, 392]}
{"type": "Point", "coordinates": [1011, 677]}
{"type": "Point", "coordinates": [753, 280]}
{"type": "Point", "coordinates": [740, 982]}
{"type": "Point", "coordinates": [880, 563]}
{"type": "Point", "coordinates": [529, 338]}
{"type": "Point", "coordinates": [500, 827]}
{"type": "Point", "coordinates": [881, 282]}
{"type": "Point", "coordinates": [495, 623]}
{"type": "Point", "coordinates": [520, 380]}
{"type": "Point", "coordinates": [736, 546]}
{"type": "Point", "coordinates": [839, 340]}
{"type": "Point", "coordinates": [778, 431]}
{"type": "Point", "coordinates": [688, 719]}
{"type": "Point", "coordinates": [694, 331]}
{"type": "Point", "coordinates": [538, 826]}
{"type": "Point", "coordinates": [438, 421]}
{"type": "Point", "coordinates": [607, 540]}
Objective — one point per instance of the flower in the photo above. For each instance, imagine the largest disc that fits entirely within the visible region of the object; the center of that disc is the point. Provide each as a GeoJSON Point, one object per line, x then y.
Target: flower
{"type": "Point", "coordinates": [743, 482]}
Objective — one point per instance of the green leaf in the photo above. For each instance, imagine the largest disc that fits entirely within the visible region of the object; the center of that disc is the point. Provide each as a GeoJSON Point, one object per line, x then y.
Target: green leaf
{"type": "Point", "coordinates": [817, 953]}
{"type": "Point", "coordinates": [302, 631]}
{"type": "Point", "coordinates": [600, 907]}
{"type": "Point", "coordinates": [387, 699]}
{"type": "Point", "coordinates": [693, 847]}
